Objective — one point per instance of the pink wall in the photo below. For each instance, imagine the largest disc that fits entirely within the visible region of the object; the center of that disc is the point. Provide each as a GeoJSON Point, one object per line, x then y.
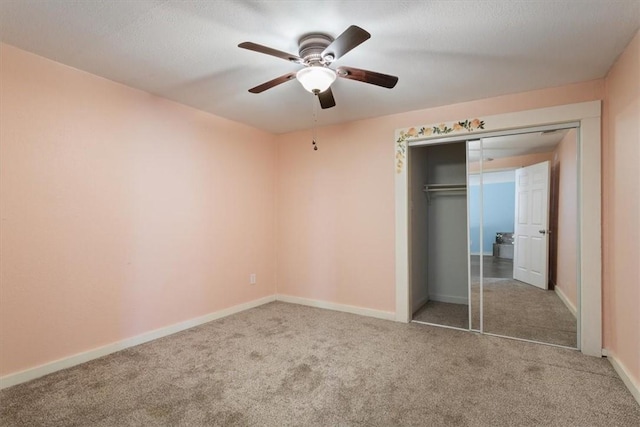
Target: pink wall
{"type": "Point", "coordinates": [336, 205]}
{"type": "Point", "coordinates": [334, 240]}
{"type": "Point", "coordinates": [121, 212]}
{"type": "Point", "coordinates": [621, 212]}
{"type": "Point", "coordinates": [565, 228]}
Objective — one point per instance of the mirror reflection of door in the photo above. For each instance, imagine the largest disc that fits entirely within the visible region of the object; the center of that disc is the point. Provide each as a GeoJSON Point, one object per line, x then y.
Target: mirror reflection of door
{"type": "Point", "coordinates": [523, 236]}
{"type": "Point", "coordinates": [531, 223]}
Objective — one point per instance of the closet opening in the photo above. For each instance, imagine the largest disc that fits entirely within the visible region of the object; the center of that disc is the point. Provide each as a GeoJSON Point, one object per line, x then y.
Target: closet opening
{"type": "Point", "coordinates": [439, 253]}
{"type": "Point", "coordinates": [494, 234]}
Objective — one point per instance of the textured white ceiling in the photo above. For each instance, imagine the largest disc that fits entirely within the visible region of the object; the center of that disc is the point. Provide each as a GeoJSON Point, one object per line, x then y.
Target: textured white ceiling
{"type": "Point", "coordinates": [443, 51]}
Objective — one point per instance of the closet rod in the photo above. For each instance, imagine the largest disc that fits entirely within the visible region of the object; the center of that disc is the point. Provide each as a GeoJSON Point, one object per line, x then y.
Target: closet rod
{"type": "Point", "coordinates": [433, 188]}
{"type": "Point", "coordinates": [444, 187]}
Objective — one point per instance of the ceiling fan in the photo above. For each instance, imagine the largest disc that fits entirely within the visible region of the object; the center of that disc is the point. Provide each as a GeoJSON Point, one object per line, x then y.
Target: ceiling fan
{"type": "Point", "coordinates": [316, 53]}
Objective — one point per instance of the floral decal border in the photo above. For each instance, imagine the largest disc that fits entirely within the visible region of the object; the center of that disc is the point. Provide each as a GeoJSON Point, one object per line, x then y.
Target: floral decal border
{"type": "Point", "coordinates": [426, 131]}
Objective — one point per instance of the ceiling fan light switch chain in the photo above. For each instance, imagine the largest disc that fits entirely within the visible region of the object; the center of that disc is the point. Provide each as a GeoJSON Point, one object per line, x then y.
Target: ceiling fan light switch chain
{"type": "Point", "coordinates": [315, 121]}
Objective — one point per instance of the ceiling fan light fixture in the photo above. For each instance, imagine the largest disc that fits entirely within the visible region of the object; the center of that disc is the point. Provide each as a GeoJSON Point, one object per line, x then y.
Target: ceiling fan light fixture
{"type": "Point", "coordinates": [316, 79]}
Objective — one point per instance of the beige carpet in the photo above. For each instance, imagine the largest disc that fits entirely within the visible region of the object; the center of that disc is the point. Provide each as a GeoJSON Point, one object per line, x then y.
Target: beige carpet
{"type": "Point", "coordinates": [288, 365]}
{"type": "Point", "coordinates": [444, 313]}
{"type": "Point", "coordinates": [512, 309]}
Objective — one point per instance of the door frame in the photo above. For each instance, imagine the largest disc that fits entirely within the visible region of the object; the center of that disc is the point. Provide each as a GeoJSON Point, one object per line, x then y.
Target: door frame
{"type": "Point", "coordinates": [588, 117]}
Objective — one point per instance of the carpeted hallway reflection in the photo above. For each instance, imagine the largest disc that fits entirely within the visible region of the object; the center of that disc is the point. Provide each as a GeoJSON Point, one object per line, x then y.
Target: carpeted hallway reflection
{"type": "Point", "coordinates": [282, 364]}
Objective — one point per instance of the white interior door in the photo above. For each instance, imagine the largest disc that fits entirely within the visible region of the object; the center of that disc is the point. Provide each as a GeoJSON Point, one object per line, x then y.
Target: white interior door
{"type": "Point", "coordinates": [530, 255]}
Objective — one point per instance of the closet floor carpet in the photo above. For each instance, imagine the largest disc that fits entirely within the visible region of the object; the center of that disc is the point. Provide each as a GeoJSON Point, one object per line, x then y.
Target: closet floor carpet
{"type": "Point", "coordinates": [282, 364]}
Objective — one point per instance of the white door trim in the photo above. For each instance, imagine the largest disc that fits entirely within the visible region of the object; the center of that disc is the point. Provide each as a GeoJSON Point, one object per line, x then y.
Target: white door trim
{"type": "Point", "coordinates": [588, 114]}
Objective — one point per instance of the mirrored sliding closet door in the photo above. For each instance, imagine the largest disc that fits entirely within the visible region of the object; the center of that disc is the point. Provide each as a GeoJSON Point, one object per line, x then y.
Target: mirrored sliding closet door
{"type": "Point", "coordinates": [527, 252]}
{"type": "Point", "coordinates": [474, 199]}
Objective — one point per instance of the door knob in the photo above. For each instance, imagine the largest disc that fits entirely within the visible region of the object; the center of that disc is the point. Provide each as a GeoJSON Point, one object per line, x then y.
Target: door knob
{"type": "Point", "coordinates": [542, 231]}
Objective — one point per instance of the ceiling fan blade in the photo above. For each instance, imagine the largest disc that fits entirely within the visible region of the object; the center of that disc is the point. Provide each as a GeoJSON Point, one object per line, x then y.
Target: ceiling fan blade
{"type": "Point", "coordinates": [352, 37]}
{"type": "Point", "coordinates": [365, 76]}
{"type": "Point", "coordinates": [272, 83]}
{"type": "Point", "coordinates": [269, 51]}
{"type": "Point", "coordinates": [326, 99]}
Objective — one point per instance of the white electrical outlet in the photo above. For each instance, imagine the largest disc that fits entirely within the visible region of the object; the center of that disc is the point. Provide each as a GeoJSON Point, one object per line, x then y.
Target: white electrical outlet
{"type": "Point", "coordinates": [252, 279]}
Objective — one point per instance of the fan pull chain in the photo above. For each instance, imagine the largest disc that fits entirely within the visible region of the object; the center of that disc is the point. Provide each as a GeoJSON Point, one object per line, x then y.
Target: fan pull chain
{"type": "Point", "coordinates": [315, 123]}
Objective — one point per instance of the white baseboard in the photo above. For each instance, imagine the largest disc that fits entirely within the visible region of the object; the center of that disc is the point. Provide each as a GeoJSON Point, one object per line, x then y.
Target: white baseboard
{"type": "Point", "coordinates": [76, 359]}
{"type": "Point", "coordinates": [565, 300]}
{"type": "Point", "coordinates": [379, 314]}
{"type": "Point", "coordinates": [630, 382]}
{"type": "Point", "coordinates": [450, 299]}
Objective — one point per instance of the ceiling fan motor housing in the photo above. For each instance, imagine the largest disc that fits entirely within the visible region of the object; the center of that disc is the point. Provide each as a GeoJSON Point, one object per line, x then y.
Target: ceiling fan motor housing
{"type": "Point", "coordinates": [311, 48]}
